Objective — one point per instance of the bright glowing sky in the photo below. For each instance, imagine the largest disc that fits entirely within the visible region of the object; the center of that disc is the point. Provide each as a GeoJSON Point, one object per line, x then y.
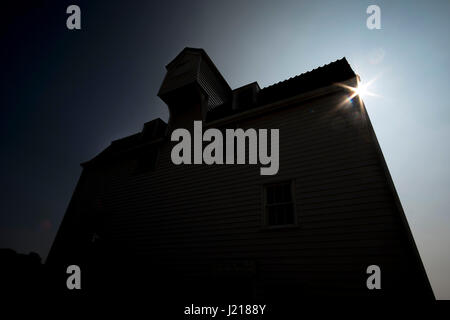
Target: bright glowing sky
{"type": "Point", "coordinates": [66, 95]}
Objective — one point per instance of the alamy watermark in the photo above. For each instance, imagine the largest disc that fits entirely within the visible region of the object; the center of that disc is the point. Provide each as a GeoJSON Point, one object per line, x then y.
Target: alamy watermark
{"type": "Point", "coordinates": [213, 153]}
{"type": "Point", "coordinates": [374, 20]}
{"type": "Point", "coordinates": [74, 279]}
{"type": "Point", "coordinates": [374, 280]}
{"type": "Point", "coordinates": [73, 22]}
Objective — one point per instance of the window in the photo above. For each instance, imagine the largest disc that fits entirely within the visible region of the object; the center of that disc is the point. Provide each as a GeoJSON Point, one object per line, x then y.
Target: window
{"type": "Point", "coordinates": [279, 204]}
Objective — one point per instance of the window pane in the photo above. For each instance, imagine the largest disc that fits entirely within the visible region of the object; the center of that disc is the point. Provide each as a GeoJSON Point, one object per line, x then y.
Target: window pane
{"type": "Point", "coordinates": [270, 198]}
{"type": "Point", "coordinates": [272, 216]}
{"type": "Point", "coordinates": [281, 215]}
{"type": "Point", "coordinates": [287, 192]}
{"type": "Point", "coordinates": [278, 194]}
{"type": "Point", "coordinates": [279, 206]}
{"type": "Point", "coordinates": [289, 211]}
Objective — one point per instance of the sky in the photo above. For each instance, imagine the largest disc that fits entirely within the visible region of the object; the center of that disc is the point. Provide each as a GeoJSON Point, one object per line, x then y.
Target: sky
{"type": "Point", "coordinates": [66, 94]}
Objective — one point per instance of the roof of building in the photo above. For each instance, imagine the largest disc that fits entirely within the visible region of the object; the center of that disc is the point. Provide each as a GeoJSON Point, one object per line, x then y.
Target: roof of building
{"type": "Point", "coordinates": [153, 131]}
{"type": "Point", "coordinates": [326, 75]}
{"type": "Point", "coordinates": [320, 77]}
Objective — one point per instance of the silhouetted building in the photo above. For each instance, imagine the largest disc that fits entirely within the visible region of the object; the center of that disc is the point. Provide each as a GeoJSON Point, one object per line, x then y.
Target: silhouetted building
{"type": "Point", "coordinates": [21, 273]}
{"type": "Point", "coordinates": [138, 220]}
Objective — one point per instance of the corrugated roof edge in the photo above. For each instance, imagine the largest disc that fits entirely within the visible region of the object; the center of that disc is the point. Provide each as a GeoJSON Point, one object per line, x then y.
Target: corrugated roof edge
{"type": "Point", "coordinates": [304, 74]}
{"type": "Point", "coordinates": [333, 72]}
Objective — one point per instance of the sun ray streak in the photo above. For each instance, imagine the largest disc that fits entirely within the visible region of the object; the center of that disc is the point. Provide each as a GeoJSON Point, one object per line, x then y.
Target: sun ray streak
{"type": "Point", "coordinates": [361, 90]}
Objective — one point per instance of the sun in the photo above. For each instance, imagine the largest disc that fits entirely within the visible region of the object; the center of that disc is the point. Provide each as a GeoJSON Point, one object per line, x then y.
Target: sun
{"type": "Point", "coordinates": [361, 90]}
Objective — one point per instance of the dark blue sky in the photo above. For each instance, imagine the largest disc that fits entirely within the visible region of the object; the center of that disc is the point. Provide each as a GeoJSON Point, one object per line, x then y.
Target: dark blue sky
{"type": "Point", "coordinates": [65, 95]}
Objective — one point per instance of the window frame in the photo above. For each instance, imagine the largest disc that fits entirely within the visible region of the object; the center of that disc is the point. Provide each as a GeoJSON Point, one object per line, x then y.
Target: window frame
{"type": "Point", "coordinates": [265, 214]}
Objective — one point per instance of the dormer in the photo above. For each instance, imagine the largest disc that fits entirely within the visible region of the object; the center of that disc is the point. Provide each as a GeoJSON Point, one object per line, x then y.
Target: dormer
{"type": "Point", "coordinates": [245, 97]}
{"type": "Point", "coordinates": [191, 87]}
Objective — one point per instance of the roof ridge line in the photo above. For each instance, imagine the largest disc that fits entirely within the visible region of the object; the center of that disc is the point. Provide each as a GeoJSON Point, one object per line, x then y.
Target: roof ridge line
{"type": "Point", "coordinates": [303, 74]}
